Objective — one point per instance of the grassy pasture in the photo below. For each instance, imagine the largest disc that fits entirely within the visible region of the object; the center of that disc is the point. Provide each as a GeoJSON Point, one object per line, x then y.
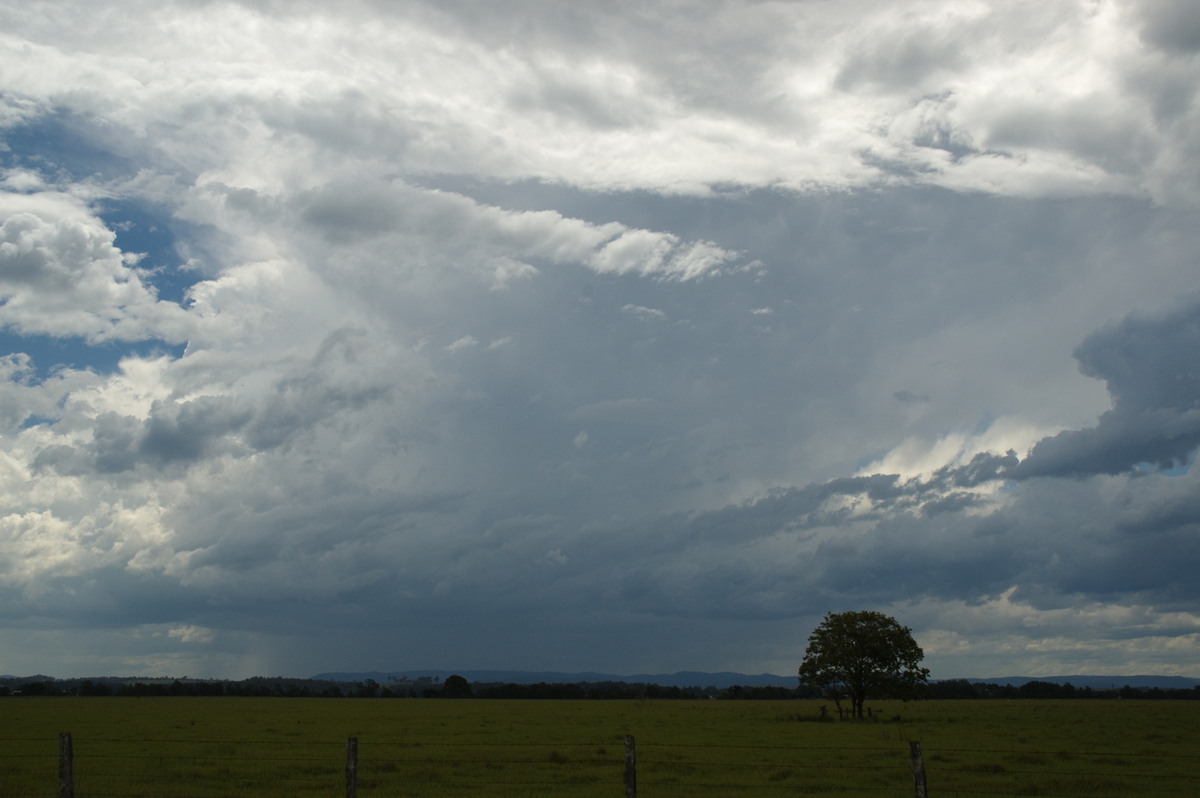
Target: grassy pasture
{"type": "Point", "coordinates": [296, 747]}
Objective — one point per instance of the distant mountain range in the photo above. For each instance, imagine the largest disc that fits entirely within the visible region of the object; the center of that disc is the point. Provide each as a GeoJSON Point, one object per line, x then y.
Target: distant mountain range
{"type": "Point", "coordinates": [726, 679]}
{"type": "Point", "coordinates": [1099, 682]}
{"type": "Point", "coordinates": [720, 680]}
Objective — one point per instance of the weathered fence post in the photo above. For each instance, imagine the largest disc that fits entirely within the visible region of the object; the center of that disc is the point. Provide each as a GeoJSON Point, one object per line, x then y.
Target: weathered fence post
{"type": "Point", "coordinates": [630, 768]}
{"type": "Point", "coordinates": [918, 766]}
{"type": "Point", "coordinates": [351, 767]}
{"type": "Point", "coordinates": [66, 766]}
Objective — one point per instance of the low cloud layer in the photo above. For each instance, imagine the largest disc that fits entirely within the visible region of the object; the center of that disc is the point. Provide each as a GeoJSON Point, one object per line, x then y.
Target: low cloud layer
{"type": "Point", "coordinates": [600, 338]}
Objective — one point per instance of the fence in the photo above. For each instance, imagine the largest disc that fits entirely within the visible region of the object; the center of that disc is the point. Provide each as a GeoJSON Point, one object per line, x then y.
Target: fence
{"type": "Point", "coordinates": [149, 768]}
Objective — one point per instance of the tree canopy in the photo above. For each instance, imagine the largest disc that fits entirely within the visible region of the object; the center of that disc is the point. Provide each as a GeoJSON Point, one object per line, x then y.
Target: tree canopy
{"type": "Point", "coordinates": [456, 686]}
{"type": "Point", "coordinates": [860, 655]}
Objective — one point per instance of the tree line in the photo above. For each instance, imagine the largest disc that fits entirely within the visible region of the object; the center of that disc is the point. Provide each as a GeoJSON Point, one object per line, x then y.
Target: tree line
{"type": "Point", "coordinates": [851, 656]}
{"type": "Point", "coordinates": [964, 689]}
{"type": "Point", "coordinates": [457, 687]}
{"type": "Point", "coordinates": [453, 687]}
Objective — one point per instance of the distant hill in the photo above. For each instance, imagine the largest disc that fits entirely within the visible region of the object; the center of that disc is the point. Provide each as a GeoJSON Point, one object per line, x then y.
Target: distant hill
{"type": "Point", "coordinates": [720, 680]}
{"type": "Point", "coordinates": [1098, 682]}
{"type": "Point", "coordinates": [725, 679]}
{"type": "Point", "coordinates": [683, 679]}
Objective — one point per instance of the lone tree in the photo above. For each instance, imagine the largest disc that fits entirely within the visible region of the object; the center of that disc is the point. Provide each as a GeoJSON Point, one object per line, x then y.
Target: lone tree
{"type": "Point", "coordinates": [857, 654]}
{"type": "Point", "coordinates": [456, 686]}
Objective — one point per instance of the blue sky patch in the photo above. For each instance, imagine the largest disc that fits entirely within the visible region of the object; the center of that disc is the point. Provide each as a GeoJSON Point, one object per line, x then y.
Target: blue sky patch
{"type": "Point", "coordinates": [64, 146]}
{"type": "Point", "coordinates": [50, 354]}
{"type": "Point", "coordinates": [143, 229]}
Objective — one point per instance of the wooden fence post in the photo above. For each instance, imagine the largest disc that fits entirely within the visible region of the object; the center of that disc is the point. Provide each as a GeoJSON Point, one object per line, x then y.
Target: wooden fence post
{"type": "Point", "coordinates": [66, 766]}
{"type": "Point", "coordinates": [918, 767]}
{"type": "Point", "coordinates": [630, 768]}
{"type": "Point", "coordinates": [351, 767]}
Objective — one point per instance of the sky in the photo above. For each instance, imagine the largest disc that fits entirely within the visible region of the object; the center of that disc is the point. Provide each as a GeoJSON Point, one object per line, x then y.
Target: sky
{"type": "Point", "coordinates": [630, 337]}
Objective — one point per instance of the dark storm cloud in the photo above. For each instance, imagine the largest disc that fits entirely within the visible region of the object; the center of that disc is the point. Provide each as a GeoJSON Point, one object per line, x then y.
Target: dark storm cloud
{"type": "Point", "coordinates": [864, 539]}
{"type": "Point", "coordinates": [172, 434]}
{"type": "Point", "coordinates": [983, 467]}
{"type": "Point", "coordinates": [1172, 26]}
{"type": "Point", "coordinates": [1091, 537]}
{"type": "Point", "coordinates": [1149, 366]}
{"type": "Point", "coordinates": [1109, 539]}
{"type": "Point", "coordinates": [1058, 544]}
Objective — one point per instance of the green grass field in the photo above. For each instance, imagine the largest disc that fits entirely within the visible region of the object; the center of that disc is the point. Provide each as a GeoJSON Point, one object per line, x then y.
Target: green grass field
{"type": "Point", "coordinates": [178, 747]}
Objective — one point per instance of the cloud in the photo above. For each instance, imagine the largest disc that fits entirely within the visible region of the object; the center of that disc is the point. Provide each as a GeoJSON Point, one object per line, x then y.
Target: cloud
{"type": "Point", "coordinates": [192, 634]}
{"type": "Point", "coordinates": [1147, 363]}
{"type": "Point", "coordinates": [1170, 26]}
{"type": "Point", "coordinates": [466, 342]}
{"type": "Point", "coordinates": [954, 536]}
{"type": "Point", "coordinates": [910, 398]}
{"type": "Point", "coordinates": [644, 313]}
{"type": "Point", "coordinates": [432, 229]}
{"type": "Point", "coordinates": [541, 328]}
{"type": "Point", "coordinates": [61, 275]}
{"type": "Point", "coordinates": [1123, 638]}
{"type": "Point", "coordinates": [796, 97]}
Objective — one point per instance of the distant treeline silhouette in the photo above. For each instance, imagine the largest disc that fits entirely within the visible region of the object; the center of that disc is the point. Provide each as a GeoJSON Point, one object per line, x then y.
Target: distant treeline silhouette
{"type": "Point", "coordinates": [453, 687]}
{"type": "Point", "coordinates": [458, 687]}
{"type": "Point", "coordinates": [962, 688]}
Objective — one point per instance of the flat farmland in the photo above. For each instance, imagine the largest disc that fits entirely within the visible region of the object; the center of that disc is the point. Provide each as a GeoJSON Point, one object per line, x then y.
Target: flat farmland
{"type": "Point", "coordinates": [176, 747]}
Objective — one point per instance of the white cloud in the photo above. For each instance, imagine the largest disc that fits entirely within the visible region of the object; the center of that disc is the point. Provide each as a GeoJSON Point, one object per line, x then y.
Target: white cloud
{"type": "Point", "coordinates": [919, 458]}
{"type": "Point", "coordinates": [191, 634]}
{"type": "Point", "coordinates": [466, 342]}
{"type": "Point", "coordinates": [644, 313]}
{"type": "Point", "coordinates": [61, 275]}
{"type": "Point", "coordinates": [1093, 637]}
{"type": "Point", "coordinates": [1042, 97]}
{"type": "Point", "coordinates": [22, 181]}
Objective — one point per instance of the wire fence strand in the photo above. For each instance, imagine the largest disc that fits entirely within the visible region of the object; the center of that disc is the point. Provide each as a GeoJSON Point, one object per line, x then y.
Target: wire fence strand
{"type": "Point", "coordinates": [179, 767]}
